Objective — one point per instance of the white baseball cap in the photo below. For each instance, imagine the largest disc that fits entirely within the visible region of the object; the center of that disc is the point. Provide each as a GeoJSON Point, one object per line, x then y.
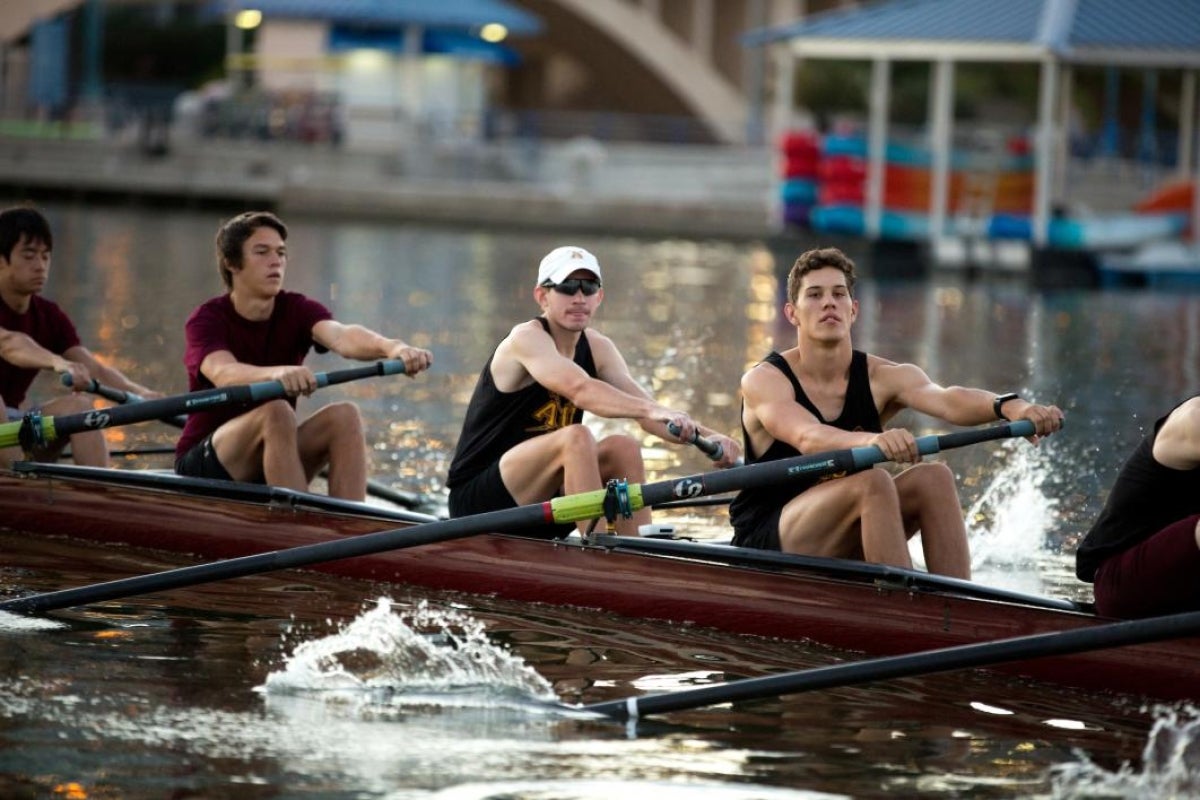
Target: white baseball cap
{"type": "Point", "coordinates": [562, 261]}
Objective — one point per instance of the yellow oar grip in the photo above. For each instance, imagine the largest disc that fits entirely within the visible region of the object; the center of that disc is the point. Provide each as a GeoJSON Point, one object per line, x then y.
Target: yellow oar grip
{"type": "Point", "coordinates": [590, 505]}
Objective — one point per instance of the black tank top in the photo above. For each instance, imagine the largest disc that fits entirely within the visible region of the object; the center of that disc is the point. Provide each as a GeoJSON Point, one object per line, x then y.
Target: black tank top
{"type": "Point", "coordinates": [498, 421]}
{"type": "Point", "coordinates": [754, 507]}
{"type": "Point", "coordinates": [1145, 498]}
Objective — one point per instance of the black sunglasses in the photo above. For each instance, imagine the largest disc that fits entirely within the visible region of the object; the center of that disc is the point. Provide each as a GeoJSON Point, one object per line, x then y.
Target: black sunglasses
{"type": "Point", "coordinates": [589, 286]}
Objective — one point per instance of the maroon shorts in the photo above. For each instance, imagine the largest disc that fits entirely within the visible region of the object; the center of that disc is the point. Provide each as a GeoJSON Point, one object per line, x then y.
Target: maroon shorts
{"type": "Point", "coordinates": [1160, 575]}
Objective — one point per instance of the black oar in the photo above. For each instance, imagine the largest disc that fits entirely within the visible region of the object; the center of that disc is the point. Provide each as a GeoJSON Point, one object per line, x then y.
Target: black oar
{"type": "Point", "coordinates": [409, 500]}
{"type": "Point", "coordinates": [1020, 648]}
{"type": "Point", "coordinates": [623, 499]}
{"type": "Point", "coordinates": [122, 397]}
{"type": "Point", "coordinates": [35, 429]}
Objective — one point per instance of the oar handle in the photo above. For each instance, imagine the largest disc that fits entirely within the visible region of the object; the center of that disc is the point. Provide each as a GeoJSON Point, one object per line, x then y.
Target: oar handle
{"type": "Point", "coordinates": [712, 449]}
{"type": "Point", "coordinates": [93, 386]}
{"type": "Point", "coordinates": [927, 445]}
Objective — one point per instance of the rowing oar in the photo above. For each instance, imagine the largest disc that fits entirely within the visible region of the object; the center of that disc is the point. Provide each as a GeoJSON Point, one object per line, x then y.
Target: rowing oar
{"type": "Point", "coordinates": [983, 654]}
{"type": "Point", "coordinates": [618, 498]}
{"type": "Point", "coordinates": [35, 430]}
{"type": "Point", "coordinates": [712, 449]}
{"type": "Point", "coordinates": [409, 500]}
{"type": "Point", "coordinates": [122, 397]}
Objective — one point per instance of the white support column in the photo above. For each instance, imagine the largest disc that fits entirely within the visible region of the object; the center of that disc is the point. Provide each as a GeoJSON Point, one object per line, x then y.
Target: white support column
{"type": "Point", "coordinates": [784, 62]}
{"type": "Point", "coordinates": [877, 134]}
{"type": "Point", "coordinates": [1187, 122]}
{"type": "Point", "coordinates": [941, 143]}
{"type": "Point", "coordinates": [1044, 152]}
{"type": "Point", "coordinates": [1190, 121]}
{"type": "Point", "coordinates": [1062, 136]}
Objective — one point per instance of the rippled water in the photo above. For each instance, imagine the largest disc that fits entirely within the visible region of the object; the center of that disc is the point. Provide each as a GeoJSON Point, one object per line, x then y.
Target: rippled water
{"type": "Point", "coordinates": [172, 695]}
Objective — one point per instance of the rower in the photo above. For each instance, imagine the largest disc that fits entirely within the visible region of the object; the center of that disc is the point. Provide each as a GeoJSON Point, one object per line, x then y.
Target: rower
{"type": "Point", "coordinates": [823, 394]}
{"type": "Point", "coordinates": [257, 331]}
{"type": "Point", "coordinates": [36, 334]}
{"type": "Point", "coordinates": [523, 440]}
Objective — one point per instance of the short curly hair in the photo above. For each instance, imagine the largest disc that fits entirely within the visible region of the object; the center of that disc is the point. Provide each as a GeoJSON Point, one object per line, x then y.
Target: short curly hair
{"type": "Point", "coordinates": [819, 259]}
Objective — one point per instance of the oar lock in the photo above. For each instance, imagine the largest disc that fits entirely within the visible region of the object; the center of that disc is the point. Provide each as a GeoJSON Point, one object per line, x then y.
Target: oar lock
{"type": "Point", "coordinates": [616, 501]}
{"type": "Point", "coordinates": [31, 435]}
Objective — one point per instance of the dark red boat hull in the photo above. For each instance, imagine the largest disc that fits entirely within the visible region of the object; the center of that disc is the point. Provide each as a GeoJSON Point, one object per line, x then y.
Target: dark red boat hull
{"type": "Point", "coordinates": [851, 607]}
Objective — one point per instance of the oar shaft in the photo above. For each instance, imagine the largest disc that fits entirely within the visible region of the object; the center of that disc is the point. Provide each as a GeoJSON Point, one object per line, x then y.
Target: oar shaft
{"type": "Point", "coordinates": [507, 520]}
{"type": "Point", "coordinates": [121, 396]}
{"type": "Point", "coordinates": [832, 462]}
{"type": "Point", "coordinates": [1096, 637]}
{"type": "Point", "coordinates": [54, 428]}
{"type": "Point", "coordinates": [571, 508]}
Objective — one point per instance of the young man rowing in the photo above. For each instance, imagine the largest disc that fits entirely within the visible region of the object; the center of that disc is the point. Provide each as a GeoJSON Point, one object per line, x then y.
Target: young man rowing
{"type": "Point", "coordinates": [522, 440]}
{"type": "Point", "coordinates": [257, 331]}
{"type": "Point", "coordinates": [35, 334]}
{"type": "Point", "coordinates": [823, 394]}
{"type": "Point", "coordinates": [1143, 552]}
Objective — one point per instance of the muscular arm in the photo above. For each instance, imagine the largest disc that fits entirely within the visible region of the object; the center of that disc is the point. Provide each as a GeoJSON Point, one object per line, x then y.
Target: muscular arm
{"type": "Point", "coordinates": [223, 369]}
{"type": "Point", "coordinates": [21, 350]}
{"type": "Point", "coordinates": [109, 376]}
{"type": "Point", "coordinates": [363, 344]}
{"type": "Point", "coordinates": [907, 386]}
{"type": "Point", "coordinates": [529, 349]}
{"type": "Point", "coordinates": [1177, 445]}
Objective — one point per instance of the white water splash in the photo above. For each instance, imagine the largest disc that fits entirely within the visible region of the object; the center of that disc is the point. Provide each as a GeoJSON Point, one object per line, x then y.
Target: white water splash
{"type": "Point", "coordinates": [420, 650]}
{"type": "Point", "coordinates": [1170, 764]}
{"type": "Point", "coordinates": [1009, 520]}
{"type": "Point", "coordinates": [17, 623]}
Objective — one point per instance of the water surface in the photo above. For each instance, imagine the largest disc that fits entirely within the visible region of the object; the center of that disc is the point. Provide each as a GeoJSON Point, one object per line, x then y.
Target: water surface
{"type": "Point", "coordinates": [163, 695]}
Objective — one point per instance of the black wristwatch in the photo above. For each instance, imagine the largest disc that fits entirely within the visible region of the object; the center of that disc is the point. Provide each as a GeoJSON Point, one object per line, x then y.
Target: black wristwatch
{"type": "Point", "coordinates": [1000, 400]}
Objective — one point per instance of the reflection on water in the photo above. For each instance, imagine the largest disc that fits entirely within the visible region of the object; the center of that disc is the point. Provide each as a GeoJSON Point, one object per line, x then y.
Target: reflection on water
{"type": "Point", "coordinates": [150, 697]}
{"type": "Point", "coordinates": [157, 698]}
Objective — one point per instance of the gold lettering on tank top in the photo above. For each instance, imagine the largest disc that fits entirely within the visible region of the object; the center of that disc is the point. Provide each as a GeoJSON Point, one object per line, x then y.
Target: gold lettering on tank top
{"type": "Point", "coordinates": [555, 413]}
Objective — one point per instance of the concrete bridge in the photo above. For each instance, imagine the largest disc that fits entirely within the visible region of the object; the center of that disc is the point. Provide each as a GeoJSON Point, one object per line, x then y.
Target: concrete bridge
{"type": "Point", "coordinates": [667, 56]}
{"type": "Point", "coordinates": [671, 58]}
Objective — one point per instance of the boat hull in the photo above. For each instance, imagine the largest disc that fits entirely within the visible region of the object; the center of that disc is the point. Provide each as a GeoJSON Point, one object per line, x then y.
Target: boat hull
{"type": "Point", "coordinates": [866, 608]}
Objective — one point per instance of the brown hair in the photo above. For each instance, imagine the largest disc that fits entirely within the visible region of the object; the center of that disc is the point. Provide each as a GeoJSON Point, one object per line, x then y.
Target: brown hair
{"type": "Point", "coordinates": [819, 259]}
{"type": "Point", "coordinates": [234, 233]}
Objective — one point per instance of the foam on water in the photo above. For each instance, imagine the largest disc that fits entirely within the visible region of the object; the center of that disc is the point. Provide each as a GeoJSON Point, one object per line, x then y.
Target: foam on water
{"type": "Point", "coordinates": [18, 623]}
{"type": "Point", "coordinates": [1009, 521]}
{"type": "Point", "coordinates": [419, 651]}
{"type": "Point", "coordinates": [1170, 764]}
{"type": "Point", "coordinates": [603, 790]}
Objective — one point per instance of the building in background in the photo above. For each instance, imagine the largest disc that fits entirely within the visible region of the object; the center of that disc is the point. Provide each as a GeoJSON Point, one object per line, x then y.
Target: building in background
{"type": "Point", "coordinates": [642, 70]}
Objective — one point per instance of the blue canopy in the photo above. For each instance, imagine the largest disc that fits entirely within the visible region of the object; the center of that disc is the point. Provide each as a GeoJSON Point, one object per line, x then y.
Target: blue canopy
{"type": "Point", "coordinates": [428, 13]}
{"type": "Point", "coordinates": [1111, 31]}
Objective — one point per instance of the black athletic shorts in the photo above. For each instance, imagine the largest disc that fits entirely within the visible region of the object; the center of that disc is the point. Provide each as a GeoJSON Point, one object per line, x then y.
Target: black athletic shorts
{"type": "Point", "coordinates": [202, 462]}
{"type": "Point", "coordinates": [762, 532]}
{"type": "Point", "coordinates": [487, 492]}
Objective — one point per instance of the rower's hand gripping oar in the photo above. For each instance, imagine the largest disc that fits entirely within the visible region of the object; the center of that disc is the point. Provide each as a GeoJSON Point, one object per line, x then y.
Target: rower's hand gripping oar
{"type": "Point", "coordinates": [409, 500]}
{"type": "Point", "coordinates": [570, 508]}
{"type": "Point", "coordinates": [712, 449]}
{"type": "Point", "coordinates": [36, 430]}
{"type": "Point", "coordinates": [120, 396]}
